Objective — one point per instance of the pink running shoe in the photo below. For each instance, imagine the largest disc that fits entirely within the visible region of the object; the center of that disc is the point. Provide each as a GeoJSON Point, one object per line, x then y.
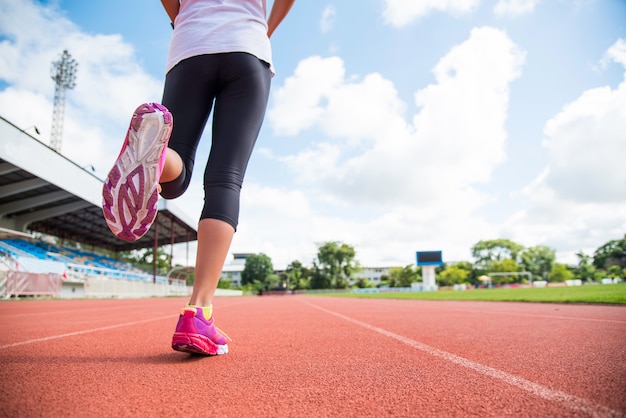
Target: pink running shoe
{"type": "Point", "coordinates": [196, 334]}
{"type": "Point", "coordinates": [130, 192]}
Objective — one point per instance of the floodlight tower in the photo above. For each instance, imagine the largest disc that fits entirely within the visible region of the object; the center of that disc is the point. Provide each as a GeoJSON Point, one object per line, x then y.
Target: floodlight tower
{"type": "Point", "coordinates": [63, 73]}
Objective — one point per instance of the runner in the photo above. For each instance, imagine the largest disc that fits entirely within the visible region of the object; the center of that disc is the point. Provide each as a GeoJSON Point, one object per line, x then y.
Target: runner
{"type": "Point", "coordinates": [219, 60]}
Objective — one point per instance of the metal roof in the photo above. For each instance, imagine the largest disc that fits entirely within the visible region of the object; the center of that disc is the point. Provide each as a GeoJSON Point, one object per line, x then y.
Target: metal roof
{"type": "Point", "coordinates": [43, 191]}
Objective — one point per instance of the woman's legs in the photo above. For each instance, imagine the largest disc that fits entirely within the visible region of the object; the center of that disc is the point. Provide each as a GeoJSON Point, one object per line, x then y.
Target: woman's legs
{"type": "Point", "coordinates": [238, 115]}
{"type": "Point", "coordinates": [172, 168]}
{"type": "Point", "coordinates": [214, 239]}
{"type": "Point", "coordinates": [240, 84]}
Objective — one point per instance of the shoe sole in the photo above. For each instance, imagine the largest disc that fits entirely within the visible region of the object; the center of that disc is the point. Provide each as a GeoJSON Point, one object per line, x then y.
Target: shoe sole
{"type": "Point", "coordinates": [197, 344]}
{"type": "Point", "coordinates": [130, 193]}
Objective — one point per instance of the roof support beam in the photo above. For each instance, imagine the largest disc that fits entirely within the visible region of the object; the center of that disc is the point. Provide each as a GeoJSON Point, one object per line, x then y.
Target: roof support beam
{"type": "Point", "coordinates": [24, 220]}
{"type": "Point", "coordinates": [21, 186]}
{"type": "Point", "coordinates": [7, 168]}
{"type": "Point", "coordinates": [32, 202]}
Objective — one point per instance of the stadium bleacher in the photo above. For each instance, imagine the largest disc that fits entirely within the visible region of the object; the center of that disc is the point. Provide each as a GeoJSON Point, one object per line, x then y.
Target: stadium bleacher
{"type": "Point", "coordinates": [71, 210]}
{"type": "Point", "coordinates": [78, 260]}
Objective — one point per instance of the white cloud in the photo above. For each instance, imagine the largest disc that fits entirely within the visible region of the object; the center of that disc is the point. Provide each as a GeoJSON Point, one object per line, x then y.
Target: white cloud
{"type": "Point", "coordinates": [301, 110]}
{"type": "Point", "coordinates": [374, 151]}
{"type": "Point", "coordinates": [328, 19]}
{"type": "Point", "coordinates": [402, 12]}
{"type": "Point", "coordinates": [109, 82]}
{"type": "Point", "coordinates": [514, 8]}
{"type": "Point", "coordinates": [404, 184]}
{"type": "Point", "coordinates": [587, 142]}
{"type": "Point", "coordinates": [616, 53]}
{"type": "Point", "coordinates": [583, 189]}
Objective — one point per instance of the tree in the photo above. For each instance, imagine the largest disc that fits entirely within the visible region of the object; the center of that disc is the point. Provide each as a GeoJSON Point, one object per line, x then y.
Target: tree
{"type": "Point", "coordinates": [336, 263]}
{"type": "Point", "coordinates": [610, 254]}
{"type": "Point", "coordinates": [297, 276]}
{"type": "Point", "coordinates": [585, 270]}
{"type": "Point", "coordinates": [538, 261]}
{"type": "Point", "coordinates": [258, 267]}
{"type": "Point", "coordinates": [143, 259]}
{"type": "Point", "coordinates": [402, 276]}
{"type": "Point", "coordinates": [560, 273]}
{"type": "Point", "coordinates": [616, 272]}
{"type": "Point", "coordinates": [453, 275]}
{"type": "Point", "coordinates": [485, 252]}
{"type": "Point", "coordinates": [272, 281]}
{"type": "Point", "coordinates": [319, 280]}
{"type": "Point", "coordinates": [363, 283]}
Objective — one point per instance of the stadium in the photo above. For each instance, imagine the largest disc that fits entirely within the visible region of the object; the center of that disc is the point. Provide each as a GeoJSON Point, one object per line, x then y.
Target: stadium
{"type": "Point", "coordinates": [35, 196]}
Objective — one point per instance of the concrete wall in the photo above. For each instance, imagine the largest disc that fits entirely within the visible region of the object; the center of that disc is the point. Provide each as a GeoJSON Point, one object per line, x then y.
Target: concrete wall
{"type": "Point", "coordinates": [101, 287]}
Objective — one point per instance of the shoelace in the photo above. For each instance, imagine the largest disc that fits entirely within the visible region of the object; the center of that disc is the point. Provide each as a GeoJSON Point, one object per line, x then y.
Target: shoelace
{"type": "Point", "coordinates": [223, 333]}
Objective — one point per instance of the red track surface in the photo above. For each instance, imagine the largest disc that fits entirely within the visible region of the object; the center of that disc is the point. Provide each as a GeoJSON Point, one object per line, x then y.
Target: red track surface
{"type": "Point", "coordinates": [302, 356]}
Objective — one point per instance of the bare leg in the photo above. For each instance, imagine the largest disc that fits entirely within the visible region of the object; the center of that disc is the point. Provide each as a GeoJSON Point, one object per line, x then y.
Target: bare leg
{"type": "Point", "coordinates": [214, 239]}
{"type": "Point", "coordinates": [195, 331]}
{"type": "Point", "coordinates": [173, 166]}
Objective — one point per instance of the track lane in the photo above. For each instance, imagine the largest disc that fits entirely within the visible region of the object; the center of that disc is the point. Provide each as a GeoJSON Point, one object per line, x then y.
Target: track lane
{"type": "Point", "coordinates": [291, 359]}
{"type": "Point", "coordinates": [582, 353]}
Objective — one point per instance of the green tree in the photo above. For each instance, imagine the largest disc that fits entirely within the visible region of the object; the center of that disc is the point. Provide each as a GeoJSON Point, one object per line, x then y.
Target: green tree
{"type": "Point", "coordinates": [402, 276]}
{"type": "Point", "coordinates": [453, 275]}
{"type": "Point", "coordinates": [336, 262]}
{"type": "Point", "coordinates": [585, 270]}
{"type": "Point", "coordinates": [143, 259]}
{"type": "Point", "coordinates": [560, 273]}
{"type": "Point", "coordinates": [257, 268]}
{"type": "Point", "coordinates": [224, 284]}
{"type": "Point", "coordinates": [363, 283]}
{"type": "Point", "coordinates": [297, 276]}
{"type": "Point", "coordinates": [473, 274]}
{"type": "Point", "coordinates": [319, 280]}
{"type": "Point", "coordinates": [615, 272]}
{"type": "Point", "coordinates": [538, 261]}
{"type": "Point", "coordinates": [272, 281]}
{"type": "Point", "coordinates": [610, 254]}
{"type": "Point", "coordinates": [485, 252]}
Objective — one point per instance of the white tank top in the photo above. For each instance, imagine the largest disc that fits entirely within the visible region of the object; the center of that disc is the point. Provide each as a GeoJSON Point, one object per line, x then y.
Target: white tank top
{"type": "Point", "coordinates": [218, 26]}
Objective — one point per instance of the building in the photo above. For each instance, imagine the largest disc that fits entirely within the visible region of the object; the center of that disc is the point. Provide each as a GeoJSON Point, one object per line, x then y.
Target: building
{"type": "Point", "coordinates": [232, 271]}
{"type": "Point", "coordinates": [374, 274]}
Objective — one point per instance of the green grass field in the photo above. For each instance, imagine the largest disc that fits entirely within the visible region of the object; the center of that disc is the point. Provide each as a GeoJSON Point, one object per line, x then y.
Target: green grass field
{"type": "Point", "coordinates": [607, 294]}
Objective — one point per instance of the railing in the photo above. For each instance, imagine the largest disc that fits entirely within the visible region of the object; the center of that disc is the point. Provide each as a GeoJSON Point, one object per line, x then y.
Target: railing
{"type": "Point", "coordinates": [78, 273]}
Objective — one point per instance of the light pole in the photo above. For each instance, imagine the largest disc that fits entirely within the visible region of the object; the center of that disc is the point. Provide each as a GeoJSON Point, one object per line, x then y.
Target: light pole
{"type": "Point", "coordinates": [63, 73]}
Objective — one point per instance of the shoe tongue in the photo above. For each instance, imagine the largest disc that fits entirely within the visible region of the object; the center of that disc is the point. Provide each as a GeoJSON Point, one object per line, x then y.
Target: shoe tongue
{"type": "Point", "coordinates": [207, 311]}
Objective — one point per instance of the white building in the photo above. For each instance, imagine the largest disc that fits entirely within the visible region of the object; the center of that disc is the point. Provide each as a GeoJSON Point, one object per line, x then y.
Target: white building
{"type": "Point", "coordinates": [373, 274]}
{"type": "Point", "coordinates": [232, 271]}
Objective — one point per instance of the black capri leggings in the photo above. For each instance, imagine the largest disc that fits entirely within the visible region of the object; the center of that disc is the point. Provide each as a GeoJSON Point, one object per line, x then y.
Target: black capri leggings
{"type": "Point", "coordinates": [238, 83]}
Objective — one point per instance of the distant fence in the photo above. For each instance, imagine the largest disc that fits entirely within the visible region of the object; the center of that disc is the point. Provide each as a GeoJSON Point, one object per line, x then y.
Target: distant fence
{"type": "Point", "coordinates": [106, 287]}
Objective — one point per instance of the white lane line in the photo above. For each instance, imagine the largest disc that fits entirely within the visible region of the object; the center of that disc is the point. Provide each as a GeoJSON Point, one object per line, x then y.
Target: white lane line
{"type": "Point", "coordinates": [48, 313]}
{"type": "Point", "coordinates": [87, 331]}
{"type": "Point", "coordinates": [573, 402]}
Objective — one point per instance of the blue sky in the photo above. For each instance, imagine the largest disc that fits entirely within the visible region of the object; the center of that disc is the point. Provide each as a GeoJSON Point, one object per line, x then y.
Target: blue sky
{"type": "Point", "coordinates": [393, 126]}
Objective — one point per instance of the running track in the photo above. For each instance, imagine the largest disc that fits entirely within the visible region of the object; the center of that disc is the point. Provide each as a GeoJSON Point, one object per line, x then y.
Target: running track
{"type": "Point", "coordinates": [299, 356]}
